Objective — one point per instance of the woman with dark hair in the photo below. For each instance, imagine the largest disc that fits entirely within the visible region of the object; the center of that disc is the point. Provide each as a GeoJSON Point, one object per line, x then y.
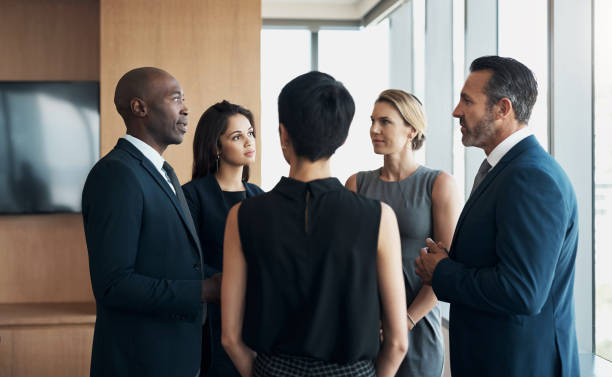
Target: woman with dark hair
{"type": "Point", "coordinates": [311, 269]}
{"type": "Point", "coordinates": [427, 205]}
{"type": "Point", "coordinates": [223, 148]}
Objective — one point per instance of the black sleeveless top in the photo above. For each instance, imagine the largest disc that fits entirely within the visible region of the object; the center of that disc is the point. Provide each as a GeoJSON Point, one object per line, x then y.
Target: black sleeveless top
{"type": "Point", "coordinates": [312, 288]}
{"type": "Point", "coordinates": [233, 197]}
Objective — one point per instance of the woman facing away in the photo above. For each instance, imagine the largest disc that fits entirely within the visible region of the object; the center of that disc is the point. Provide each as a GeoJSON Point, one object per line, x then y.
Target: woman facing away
{"type": "Point", "coordinates": [426, 203]}
{"type": "Point", "coordinates": [310, 268]}
{"type": "Point", "coordinates": [223, 148]}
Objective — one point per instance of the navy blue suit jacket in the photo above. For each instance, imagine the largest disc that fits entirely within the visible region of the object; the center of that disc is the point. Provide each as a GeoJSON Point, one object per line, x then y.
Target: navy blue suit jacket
{"type": "Point", "coordinates": [510, 275]}
{"type": "Point", "coordinates": [145, 266]}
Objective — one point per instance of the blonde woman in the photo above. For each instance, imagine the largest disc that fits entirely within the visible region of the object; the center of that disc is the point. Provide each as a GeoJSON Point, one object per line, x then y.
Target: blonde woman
{"type": "Point", "coordinates": [427, 205]}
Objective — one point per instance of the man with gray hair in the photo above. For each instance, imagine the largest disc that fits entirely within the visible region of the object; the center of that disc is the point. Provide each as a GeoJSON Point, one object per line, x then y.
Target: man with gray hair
{"type": "Point", "coordinates": [509, 274]}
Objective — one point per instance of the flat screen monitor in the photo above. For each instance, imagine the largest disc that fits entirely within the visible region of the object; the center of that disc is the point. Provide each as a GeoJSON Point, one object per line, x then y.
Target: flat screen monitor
{"type": "Point", "coordinates": [49, 140]}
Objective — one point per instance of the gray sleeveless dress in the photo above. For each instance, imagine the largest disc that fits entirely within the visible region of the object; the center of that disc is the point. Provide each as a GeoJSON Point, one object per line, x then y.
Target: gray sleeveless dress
{"type": "Point", "coordinates": [411, 201]}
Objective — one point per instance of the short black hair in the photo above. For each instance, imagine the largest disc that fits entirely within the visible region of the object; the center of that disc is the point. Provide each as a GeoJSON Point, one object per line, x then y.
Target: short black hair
{"type": "Point", "coordinates": [510, 79]}
{"type": "Point", "coordinates": [206, 143]}
{"type": "Point", "coordinates": [317, 112]}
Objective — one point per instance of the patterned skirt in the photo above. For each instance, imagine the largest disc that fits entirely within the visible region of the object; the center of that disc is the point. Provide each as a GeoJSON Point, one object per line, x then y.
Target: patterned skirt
{"type": "Point", "coordinates": [268, 365]}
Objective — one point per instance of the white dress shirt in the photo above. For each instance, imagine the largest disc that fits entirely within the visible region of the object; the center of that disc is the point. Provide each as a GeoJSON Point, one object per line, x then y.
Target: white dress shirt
{"type": "Point", "coordinates": [156, 159]}
{"type": "Point", "coordinates": [504, 147]}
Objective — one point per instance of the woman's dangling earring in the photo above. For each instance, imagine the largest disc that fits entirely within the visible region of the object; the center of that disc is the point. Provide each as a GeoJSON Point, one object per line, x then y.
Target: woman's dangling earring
{"type": "Point", "coordinates": [217, 162]}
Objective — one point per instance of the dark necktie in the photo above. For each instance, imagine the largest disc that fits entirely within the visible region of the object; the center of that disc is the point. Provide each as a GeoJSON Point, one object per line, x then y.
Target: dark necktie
{"type": "Point", "coordinates": [482, 172]}
{"type": "Point", "coordinates": [179, 194]}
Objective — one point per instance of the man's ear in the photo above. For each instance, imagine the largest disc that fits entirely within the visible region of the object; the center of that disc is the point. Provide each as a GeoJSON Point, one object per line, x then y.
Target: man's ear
{"type": "Point", "coordinates": [503, 108]}
{"type": "Point", "coordinates": [139, 107]}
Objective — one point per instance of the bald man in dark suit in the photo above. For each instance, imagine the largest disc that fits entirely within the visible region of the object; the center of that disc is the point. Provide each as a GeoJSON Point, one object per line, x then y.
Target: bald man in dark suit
{"type": "Point", "coordinates": [145, 258]}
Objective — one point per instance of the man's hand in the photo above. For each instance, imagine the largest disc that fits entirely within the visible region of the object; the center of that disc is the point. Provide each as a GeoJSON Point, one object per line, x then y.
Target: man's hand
{"type": "Point", "coordinates": [211, 289]}
{"type": "Point", "coordinates": [429, 259]}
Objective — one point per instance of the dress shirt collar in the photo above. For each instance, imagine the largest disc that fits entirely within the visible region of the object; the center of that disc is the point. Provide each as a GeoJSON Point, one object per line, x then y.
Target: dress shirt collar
{"type": "Point", "coordinates": [295, 189]}
{"type": "Point", "coordinates": [504, 147]}
{"type": "Point", "coordinates": [156, 159]}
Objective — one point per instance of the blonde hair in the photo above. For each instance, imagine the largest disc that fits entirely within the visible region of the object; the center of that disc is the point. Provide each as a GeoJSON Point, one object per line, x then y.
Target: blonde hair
{"type": "Point", "coordinates": [411, 111]}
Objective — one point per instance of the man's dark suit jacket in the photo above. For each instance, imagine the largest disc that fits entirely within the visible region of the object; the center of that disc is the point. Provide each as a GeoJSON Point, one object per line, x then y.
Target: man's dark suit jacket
{"type": "Point", "coordinates": [510, 276]}
{"type": "Point", "coordinates": [145, 267]}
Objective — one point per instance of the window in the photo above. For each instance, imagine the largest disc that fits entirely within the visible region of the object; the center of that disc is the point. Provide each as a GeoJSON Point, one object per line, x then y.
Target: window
{"type": "Point", "coordinates": [285, 54]}
{"type": "Point", "coordinates": [458, 80]}
{"type": "Point", "coordinates": [418, 58]}
{"type": "Point", "coordinates": [529, 45]}
{"type": "Point", "coordinates": [603, 175]}
{"type": "Point", "coordinates": [359, 58]}
{"type": "Point", "coordinates": [418, 48]}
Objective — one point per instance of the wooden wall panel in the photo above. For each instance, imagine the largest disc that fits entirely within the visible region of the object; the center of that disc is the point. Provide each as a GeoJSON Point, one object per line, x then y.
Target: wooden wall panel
{"type": "Point", "coordinates": [6, 351]}
{"type": "Point", "coordinates": [50, 40]}
{"type": "Point", "coordinates": [45, 351]}
{"type": "Point", "coordinates": [210, 46]}
{"type": "Point", "coordinates": [43, 258]}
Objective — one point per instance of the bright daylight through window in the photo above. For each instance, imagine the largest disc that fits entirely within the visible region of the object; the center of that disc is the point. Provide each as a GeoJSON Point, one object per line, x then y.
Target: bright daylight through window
{"type": "Point", "coordinates": [359, 58]}
{"type": "Point", "coordinates": [603, 176]}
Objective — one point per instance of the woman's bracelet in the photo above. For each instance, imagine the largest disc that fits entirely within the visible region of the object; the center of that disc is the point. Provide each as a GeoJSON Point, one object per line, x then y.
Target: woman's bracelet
{"type": "Point", "coordinates": [411, 320]}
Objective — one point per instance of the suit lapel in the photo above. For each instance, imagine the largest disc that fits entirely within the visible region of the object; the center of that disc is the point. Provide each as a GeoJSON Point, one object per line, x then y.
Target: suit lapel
{"type": "Point", "coordinates": [163, 184]}
{"type": "Point", "coordinates": [524, 144]}
{"type": "Point", "coordinates": [250, 190]}
{"type": "Point", "coordinates": [217, 198]}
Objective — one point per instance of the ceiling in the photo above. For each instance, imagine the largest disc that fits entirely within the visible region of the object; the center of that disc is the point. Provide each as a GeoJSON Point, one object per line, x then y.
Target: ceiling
{"type": "Point", "coordinates": [317, 9]}
{"type": "Point", "coordinates": [314, 2]}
